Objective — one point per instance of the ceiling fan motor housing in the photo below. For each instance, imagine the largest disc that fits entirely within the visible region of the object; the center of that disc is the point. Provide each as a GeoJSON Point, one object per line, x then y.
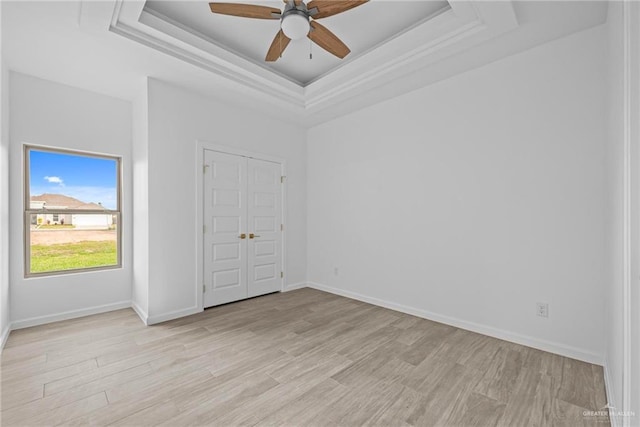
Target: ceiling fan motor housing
{"type": "Point", "coordinates": [295, 21]}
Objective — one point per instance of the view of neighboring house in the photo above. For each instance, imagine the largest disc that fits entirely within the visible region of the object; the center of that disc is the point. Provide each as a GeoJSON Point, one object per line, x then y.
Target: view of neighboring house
{"type": "Point", "coordinates": [57, 202]}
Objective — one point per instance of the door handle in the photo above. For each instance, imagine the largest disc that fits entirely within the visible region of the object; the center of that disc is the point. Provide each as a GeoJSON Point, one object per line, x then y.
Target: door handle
{"type": "Point", "coordinates": [251, 235]}
{"type": "Point", "coordinates": [242, 236]}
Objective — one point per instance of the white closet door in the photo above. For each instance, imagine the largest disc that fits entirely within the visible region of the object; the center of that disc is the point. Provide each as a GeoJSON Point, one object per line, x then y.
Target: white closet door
{"type": "Point", "coordinates": [225, 219]}
{"type": "Point", "coordinates": [265, 219]}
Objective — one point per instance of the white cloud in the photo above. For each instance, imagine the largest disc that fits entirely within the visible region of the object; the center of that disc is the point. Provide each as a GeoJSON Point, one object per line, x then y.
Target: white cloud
{"type": "Point", "coordinates": [54, 180]}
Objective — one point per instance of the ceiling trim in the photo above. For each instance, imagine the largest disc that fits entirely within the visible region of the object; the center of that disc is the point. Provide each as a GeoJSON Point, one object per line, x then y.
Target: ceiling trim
{"type": "Point", "coordinates": [466, 24]}
{"type": "Point", "coordinates": [180, 44]}
{"type": "Point", "coordinates": [163, 23]}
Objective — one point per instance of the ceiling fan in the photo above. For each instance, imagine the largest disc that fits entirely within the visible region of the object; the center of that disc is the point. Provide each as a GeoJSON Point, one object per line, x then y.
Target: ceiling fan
{"type": "Point", "coordinates": [295, 22]}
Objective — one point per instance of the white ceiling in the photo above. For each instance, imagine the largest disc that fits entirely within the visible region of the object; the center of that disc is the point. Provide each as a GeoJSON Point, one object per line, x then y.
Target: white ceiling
{"type": "Point", "coordinates": [361, 29]}
{"type": "Point", "coordinates": [111, 46]}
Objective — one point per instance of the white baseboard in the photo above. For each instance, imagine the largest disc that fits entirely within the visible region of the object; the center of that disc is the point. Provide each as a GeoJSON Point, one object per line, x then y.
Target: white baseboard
{"type": "Point", "coordinates": [146, 319]}
{"type": "Point", "coordinates": [292, 286]}
{"type": "Point", "coordinates": [140, 312]}
{"type": "Point", "coordinates": [41, 320]}
{"type": "Point", "coordinates": [152, 320]}
{"type": "Point", "coordinates": [551, 347]}
{"type": "Point", "coordinates": [4, 337]}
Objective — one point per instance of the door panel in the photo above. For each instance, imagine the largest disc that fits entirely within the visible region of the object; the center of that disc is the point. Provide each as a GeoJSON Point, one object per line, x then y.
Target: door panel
{"type": "Point", "coordinates": [225, 215]}
{"type": "Point", "coordinates": [264, 218]}
{"type": "Point", "coordinates": [241, 196]}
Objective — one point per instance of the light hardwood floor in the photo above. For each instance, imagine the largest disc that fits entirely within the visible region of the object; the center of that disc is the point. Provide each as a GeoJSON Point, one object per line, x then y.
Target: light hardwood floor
{"type": "Point", "coordinates": [298, 358]}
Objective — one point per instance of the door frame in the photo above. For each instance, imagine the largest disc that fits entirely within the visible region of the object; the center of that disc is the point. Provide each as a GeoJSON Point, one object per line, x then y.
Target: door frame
{"type": "Point", "coordinates": [201, 146]}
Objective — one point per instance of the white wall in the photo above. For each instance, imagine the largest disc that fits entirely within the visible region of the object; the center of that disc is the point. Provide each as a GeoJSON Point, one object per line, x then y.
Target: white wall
{"type": "Point", "coordinates": [177, 119]}
{"type": "Point", "coordinates": [50, 114]}
{"type": "Point", "coordinates": [5, 308]}
{"type": "Point", "coordinates": [470, 200]}
{"type": "Point", "coordinates": [140, 155]}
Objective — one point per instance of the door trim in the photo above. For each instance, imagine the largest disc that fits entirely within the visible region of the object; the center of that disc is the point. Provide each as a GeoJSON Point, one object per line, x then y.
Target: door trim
{"type": "Point", "coordinates": [201, 146]}
{"type": "Point", "coordinates": [631, 213]}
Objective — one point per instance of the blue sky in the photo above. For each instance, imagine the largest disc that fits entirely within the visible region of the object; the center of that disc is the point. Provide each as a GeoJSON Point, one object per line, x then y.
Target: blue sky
{"type": "Point", "coordinates": [88, 179]}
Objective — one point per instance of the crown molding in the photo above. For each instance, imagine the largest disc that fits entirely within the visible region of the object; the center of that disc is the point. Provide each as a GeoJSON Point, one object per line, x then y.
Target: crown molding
{"type": "Point", "coordinates": [132, 22]}
{"type": "Point", "coordinates": [464, 25]}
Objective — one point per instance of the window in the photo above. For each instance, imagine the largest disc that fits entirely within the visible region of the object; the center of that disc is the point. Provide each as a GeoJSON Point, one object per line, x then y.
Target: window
{"type": "Point", "coordinates": [72, 211]}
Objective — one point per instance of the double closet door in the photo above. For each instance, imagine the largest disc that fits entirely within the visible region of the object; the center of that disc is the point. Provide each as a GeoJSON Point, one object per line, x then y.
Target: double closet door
{"type": "Point", "coordinates": [243, 227]}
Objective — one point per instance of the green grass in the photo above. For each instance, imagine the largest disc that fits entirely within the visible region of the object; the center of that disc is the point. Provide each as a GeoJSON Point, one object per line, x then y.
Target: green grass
{"type": "Point", "coordinates": [70, 256]}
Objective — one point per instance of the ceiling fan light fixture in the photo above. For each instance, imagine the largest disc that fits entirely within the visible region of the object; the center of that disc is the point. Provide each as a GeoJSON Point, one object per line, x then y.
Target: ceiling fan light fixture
{"type": "Point", "coordinates": [295, 24]}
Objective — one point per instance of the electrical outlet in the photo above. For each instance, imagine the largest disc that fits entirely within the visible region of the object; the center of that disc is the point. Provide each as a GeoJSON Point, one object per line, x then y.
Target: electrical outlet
{"type": "Point", "coordinates": [542, 309]}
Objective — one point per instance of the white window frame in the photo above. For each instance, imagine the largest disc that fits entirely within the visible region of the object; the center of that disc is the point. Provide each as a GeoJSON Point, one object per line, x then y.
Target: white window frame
{"type": "Point", "coordinates": [28, 211]}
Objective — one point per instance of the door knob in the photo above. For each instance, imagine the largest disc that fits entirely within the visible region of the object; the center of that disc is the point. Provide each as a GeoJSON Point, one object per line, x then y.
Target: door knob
{"type": "Point", "coordinates": [251, 235]}
{"type": "Point", "coordinates": [242, 236]}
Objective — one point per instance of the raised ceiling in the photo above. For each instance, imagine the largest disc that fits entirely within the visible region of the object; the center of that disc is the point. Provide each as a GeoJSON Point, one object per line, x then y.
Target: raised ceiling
{"type": "Point", "coordinates": [361, 29]}
{"type": "Point", "coordinates": [111, 46]}
{"type": "Point", "coordinates": [441, 30]}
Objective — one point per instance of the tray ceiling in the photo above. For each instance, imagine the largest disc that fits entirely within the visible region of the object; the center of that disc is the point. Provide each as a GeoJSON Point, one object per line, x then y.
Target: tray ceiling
{"type": "Point", "coordinates": [107, 46]}
{"type": "Point", "coordinates": [362, 29]}
{"type": "Point", "coordinates": [389, 40]}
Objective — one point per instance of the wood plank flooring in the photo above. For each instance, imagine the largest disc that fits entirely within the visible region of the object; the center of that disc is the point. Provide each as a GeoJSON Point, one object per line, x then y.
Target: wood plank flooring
{"type": "Point", "coordinates": [302, 358]}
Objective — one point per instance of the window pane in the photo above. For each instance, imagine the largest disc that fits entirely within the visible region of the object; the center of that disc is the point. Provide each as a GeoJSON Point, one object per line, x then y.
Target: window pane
{"type": "Point", "coordinates": [73, 242]}
{"type": "Point", "coordinates": [67, 198]}
{"type": "Point", "coordinates": [70, 181]}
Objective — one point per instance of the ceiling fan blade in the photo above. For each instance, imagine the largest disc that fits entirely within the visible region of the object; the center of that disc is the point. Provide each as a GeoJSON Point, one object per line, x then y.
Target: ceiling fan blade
{"type": "Point", "coordinates": [278, 45]}
{"type": "Point", "coordinates": [245, 10]}
{"type": "Point", "coordinates": [327, 40]}
{"type": "Point", "coordinates": [332, 7]}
